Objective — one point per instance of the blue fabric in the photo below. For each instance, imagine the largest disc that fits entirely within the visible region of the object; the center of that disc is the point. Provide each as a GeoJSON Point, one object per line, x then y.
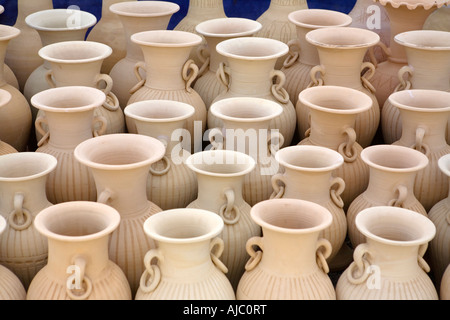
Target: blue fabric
{"type": "Point", "coordinates": [251, 9]}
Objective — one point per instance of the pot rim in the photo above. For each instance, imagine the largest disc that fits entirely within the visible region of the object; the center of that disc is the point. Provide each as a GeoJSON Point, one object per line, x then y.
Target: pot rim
{"type": "Point", "coordinates": [250, 42]}
{"type": "Point", "coordinates": [403, 39]}
{"type": "Point", "coordinates": [106, 51]}
{"type": "Point", "coordinates": [91, 19]}
{"type": "Point", "coordinates": [253, 27]}
{"type": "Point", "coordinates": [426, 94]}
{"type": "Point", "coordinates": [413, 4]}
{"type": "Point", "coordinates": [189, 39]}
{"type": "Point", "coordinates": [311, 150]}
{"type": "Point", "coordinates": [131, 108]}
{"type": "Point", "coordinates": [120, 8]}
{"type": "Point", "coordinates": [38, 157]}
{"type": "Point", "coordinates": [443, 164]}
{"type": "Point", "coordinates": [347, 20]}
{"type": "Point", "coordinates": [12, 32]}
{"type": "Point", "coordinates": [372, 37]}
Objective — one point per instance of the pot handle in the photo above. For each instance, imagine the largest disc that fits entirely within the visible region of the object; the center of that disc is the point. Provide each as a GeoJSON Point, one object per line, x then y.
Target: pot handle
{"type": "Point", "coordinates": [216, 247]}
{"type": "Point", "coordinates": [278, 188]}
{"type": "Point", "coordinates": [45, 134]}
{"type": "Point", "coordinates": [167, 166]}
{"type": "Point", "coordinates": [278, 91]}
{"type": "Point", "coordinates": [419, 145]}
{"type": "Point", "coordinates": [383, 47]}
{"type": "Point", "coordinates": [112, 102]}
{"type": "Point", "coordinates": [422, 263]}
{"type": "Point", "coordinates": [348, 149]}
{"type": "Point", "coordinates": [49, 78]}
{"type": "Point", "coordinates": [229, 212]}
{"type": "Point", "coordinates": [105, 196]}
{"type": "Point", "coordinates": [151, 277]}
{"type": "Point", "coordinates": [20, 218]}
{"type": "Point", "coordinates": [139, 65]}
{"type": "Point", "coordinates": [255, 256]}
{"type": "Point", "coordinates": [404, 84]}
{"type": "Point", "coordinates": [204, 57]}
{"type": "Point", "coordinates": [223, 74]}
{"type": "Point", "coordinates": [190, 73]}
{"type": "Point", "coordinates": [316, 82]}
{"type": "Point", "coordinates": [294, 53]}
{"type": "Point", "coordinates": [74, 284]}
{"type": "Point", "coordinates": [361, 264]}
{"type": "Point", "coordinates": [336, 193]}
{"type": "Point", "coordinates": [367, 75]}
{"type": "Point", "coordinates": [323, 251]}
{"type": "Point", "coordinates": [275, 135]}
{"type": "Point", "coordinates": [402, 192]}
{"type": "Point", "coordinates": [103, 125]}
{"type": "Point", "coordinates": [216, 144]}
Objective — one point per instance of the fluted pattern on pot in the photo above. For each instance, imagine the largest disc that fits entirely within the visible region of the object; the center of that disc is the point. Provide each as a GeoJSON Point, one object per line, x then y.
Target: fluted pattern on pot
{"type": "Point", "coordinates": [111, 285]}
{"type": "Point", "coordinates": [10, 286]}
{"type": "Point", "coordinates": [6, 148]}
{"type": "Point", "coordinates": [445, 285]}
{"type": "Point", "coordinates": [115, 119]}
{"type": "Point", "coordinates": [208, 87]}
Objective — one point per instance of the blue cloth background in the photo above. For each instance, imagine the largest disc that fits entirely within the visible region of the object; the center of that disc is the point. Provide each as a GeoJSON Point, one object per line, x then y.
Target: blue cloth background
{"type": "Point", "coordinates": [251, 9]}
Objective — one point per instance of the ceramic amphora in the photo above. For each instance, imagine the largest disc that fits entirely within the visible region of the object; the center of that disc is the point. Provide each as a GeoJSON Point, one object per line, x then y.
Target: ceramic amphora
{"type": "Point", "coordinates": [78, 267]}
{"type": "Point", "coordinates": [390, 264]}
{"type": "Point", "coordinates": [187, 256]}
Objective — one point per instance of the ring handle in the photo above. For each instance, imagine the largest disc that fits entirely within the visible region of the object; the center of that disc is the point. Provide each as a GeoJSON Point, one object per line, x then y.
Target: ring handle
{"type": "Point", "coordinates": [360, 265]}
{"type": "Point", "coordinates": [103, 125]}
{"type": "Point", "coordinates": [275, 135]}
{"type": "Point", "coordinates": [40, 121]}
{"type": "Point", "coordinates": [167, 166]}
{"type": "Point", "coordinates": [336, 193]}
{"type": "Point", "coordinates": [141, 81]}
{"type": "Point", "coordinates": [323, 251]}
{"type": "Point", "coordinates": [229, 209]}
{"type": "Point", "coordinates": [20, 218]}
{"type": "Point", "coordinates": [190, 73]}
{"type": "Point", "coordinates": [419, 145]}
{"type": "Point", "coordinates": [294, 53]}
{"type": "Point", "coordinates": [278, 91]}
{"type": "Point", "coordinates": [316, 82]}
{"type": "Point", "coordinates": [105, 196]}
{"type": "Point", "coordinates": [217, 144]}
{"type": "Point", "coordinates": [278, 189]}
{"type": "Point", "coordinates": [422, 262]}
{"type": "Point", "coordinates": [367, 75]}
{"type": "Point", "coordinates": [204, 57]}
{"type": "Point", "coordinates": [75, 288]}
{"type": "Point", "coordinates": [255, 256]}
{"type": "Point", "coordinates": [216, 248]}
{"type": "Point", "coordinates": [151, 277]}
{"type": "Point", "coordinates": [402, 192]}
{"type": "Point", "coordinates": [348, 149]}
{"type": "Point", "coordinates": [404, 84]}
{"type": "Point", "coordinates": [49, 78]}
{"type": "Point", "coordinates": [223, 74]}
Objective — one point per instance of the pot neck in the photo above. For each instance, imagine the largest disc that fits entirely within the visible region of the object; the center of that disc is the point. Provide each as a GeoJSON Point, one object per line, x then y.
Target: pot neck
{"type": "Point", "coordinates": [108, 3]}
{"type": "Point", "coordinates": [162, 131]}
{"type": "Point", "coordinates": [3, 47]}
{"type": "Point", "coordinates": [206, 8]}
{"type": "Point", "coordinates": [308, 52]}
{"type": "Point", "coordinates": [76, 74]}
{"type": "Point", "coordinates": [307, 185]}
{"type": "Point", "coordinates": [33, 191]}
{"type": "Point", "coordinates": [27, 7]}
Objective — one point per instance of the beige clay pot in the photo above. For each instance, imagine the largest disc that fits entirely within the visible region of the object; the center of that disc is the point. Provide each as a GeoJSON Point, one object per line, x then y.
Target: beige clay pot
{"type": "Point", "coordinates": [5, 98]}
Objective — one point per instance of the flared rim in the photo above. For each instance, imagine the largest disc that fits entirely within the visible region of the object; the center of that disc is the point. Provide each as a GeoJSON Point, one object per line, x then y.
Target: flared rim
{"type": "Point", "coordinates": [424, 39]}
{"type": "Point", "coordinates": [426, 100]}
{"type": "Point", "coordinates": [413, 4]}
{"type": "Point", "coordinates": [236, 48]}
{"type": "Point", "coordinates": [444, 164]}
{"type": "Point", "coordinates": [144, 9]}
{"type": "Point", "coordinates": [166, 38]}
{"type": "Point", "coordinates": [8, 32]}
{"type": "Point", "coordinates": [103, 51]}
{"type": "Point", "coordinates": [304, 17]}
{"type": "Point", "coordinates": [342, 38]}
{"type": "Point", "coordinates": [18, 159]}
{"type": "Point", "coordinates": [86, 19]}
{"type": "Point", "coordinates": [232, 27]}
{"type": "Point", "coordinates": [141, 110]}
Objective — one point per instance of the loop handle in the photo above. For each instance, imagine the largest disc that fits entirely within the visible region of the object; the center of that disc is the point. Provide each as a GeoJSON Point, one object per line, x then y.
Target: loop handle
{"type": "Point", "coordinates": [20, 218]}
{"type": "Point", "coordinates": [216, 247]}
{"type": "Point", "coordinates": [167, 165]}
{"type": "Point", "coordinates": [151, 277]}
{"type": "Point", "coordinates": [216, 143]}
{"type": "Point", "coordinates": [323, 251]}
{"type": "Point", "coordinates": [348, 149]}
{"type": "Point", "coordinates": [419, 145]}
{"type": "Point", "coordinates": [223, 75]}
{"type": "Point", "coordinates": [316, 82]}
{"type": "Point", "coordinates": [336, 193]}
{"type": "Point", "coordinates": [204, 57]}
{"type": "Point", "coordinates": [294, 53]}
{"type": "Point", "coordinates": [360, 265]}
{"type": "Point", "coordinates": [141, 81]}
{"type": "Point", "coordinates": [278, 188]}
{"type": "Point", "coordinates": [255, 256]}
{"type": "Point", "coordinates": [229, 212]}
{"type": "Point", "coordinates": [277, 89]}
{"type": "Point", "coordinates": [49, 78]}
{"type": "Point", "coordinates": [103, 125]}
{"type": "Point", "coordinates": [422, 262]}
{"type": "Point", "coordinates": [402, 192]}
{"type": "Point", "coordinates": [365, 78]}
{"type": "Point", "coordinates": [105, 196]}
{"type": "Point", "coordinates": [40, 121]}
{"type": "Point", "coordinates": [273, 148]}
{"type": "Point", "coordinates": [190, 73]}
{"type": "Point", "coordinates": [79, 286]}
{"type": "Point", "coordinates": [386, 50]}
{"type": "Point", "coordinates": [404, 84]}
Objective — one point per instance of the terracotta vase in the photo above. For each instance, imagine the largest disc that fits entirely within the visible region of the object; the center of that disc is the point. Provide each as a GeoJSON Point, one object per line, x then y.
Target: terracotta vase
{"type": "Point", "coordinates": [78, 267]}
{"type": "Point", "coordinates": [428, 56]}
{"type": "Point", "coordinates": [245, 128]}
{"type": "Point", "coordinates": [424, 116]}
{"type": "Point", "coordinates": [22, 54]}
{"type": "Point", "coordinates": [78, 63]}
{"type": "Point", "coordinates": [438, 20]}
{"type": "Point", "coordinates": [109, 31]}
{"type": "Point", "coordinates": [371, 15]}
{"type": "Point", "coordinates": [276, 25]}
{"type": "Point", "coordinates": [55, 25]}
{"type": "Point", "coordinates": [440, 245]}
{"type": "Point", "coordinates": [5, 98]}
{"type": "Point", "coordinates": [393, 170]}
{"type": "Point", "coordinates": [136, 16]}
{"type": "Point", "coordinates": [22, 196]}
{"type": "Point", "coordinates": [341, 53]}
{"type": "Point", "coordinates": [220, 175]}
{"type": "Point", "coordinates": [171, 184]}
{"type": "Point", "coordinates": [333, 111]}
{"type": "Point", "coordinates": [390, 264]}
{"type": "Point", "coordinates": [308, 175]}
{"type": "Point", "coordinates": [170, 74]}
{"type": "Point", "coordinates": [290, 263]}
{"type": "Point", "coordinates": [303, 56]}
{"type": "Point", "coordinates": [198, 12]}
{"type": "Point", "coordinates": [404, 15]}
{"type": "Point", "coordinates": [187, 257]}
{"type": "Point", "coordinates": [10, 286]}
{"type": "Point", "coordinates": [250, 72]}
{"type": "Point", "coordinates": [445, 285]}
{"type": "Point", "coordinates": [69, 116]}
{"type": "Point", "coordinates": [215, 31]}
{"type": "Point", "coordinates": [15, 116]}
{"type": "Point", "coordinates": [120, 164]}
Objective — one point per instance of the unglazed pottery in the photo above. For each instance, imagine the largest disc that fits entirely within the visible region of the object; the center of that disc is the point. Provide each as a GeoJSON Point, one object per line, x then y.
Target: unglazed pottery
{"type": "Point", "coordinates": [341, 54]}
{"type": "Point", "coordinates": [249, 71]}
{"type": "Point", "coordinates": [424, 116]}
{"type": "Point", "coordinates": [69, 117]}
{"type": "Point", "coordinates": [170, 74]}
{"type": "Point", "coordinates": [22, 196]}
{"type": "Point", "coordinates": [54, 26]}
{"type": "Point", "coordinates": [171, 184]}
{"type": "Point", "coordinates": [333, 111]}
{"type": "Point", "coordinates": [390, 265]}
{"type": "Point", "coordinates": [187, 257]}
{"type": "Point", "coordinates": [120, 165]}
{"type": "Point", "coordinates": [78, 267]}
{"type": "Point", "coordinates": [215, 31]}
{"type": "Point", "coordinates": [303, 56]}
{"type": "Point", "coordinates": [275, 22]}
{"type": "Point", "coordinates": [445, 285]}
{"type": "Point", "coordinates": [289, 261]}
{"type": "Point", "coordinates": [428, 56]}
{"type": "Point", "coordinates": [78, 63]}
{"type": "Point", "coordinates": [440, 215]}
{"type": "Point", "coordinates": [393, 170]}
{"type": "Point", "coordinates": [136, 16]}
{"type": "Point", "coordinates": [109, 31]}
{"type": "Point", "coordinates": [15, 116]}
{"type": "Point", "coordinates": [245, 128]}
{"type": "Point", "coordinates": [5, 98]}
{"type": "Point", "coordinates": [220, 175]}
{"type": "Point", "coordinates": [438, 20]}
{"type": "Point", "coordinates": [10, 286]}
{"type": "Point", "coordinates": [22, 54]}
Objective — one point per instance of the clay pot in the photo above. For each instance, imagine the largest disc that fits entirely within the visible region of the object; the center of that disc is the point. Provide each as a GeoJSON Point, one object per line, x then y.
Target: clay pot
{"type": "Point", "coordinates": [22, 196]}
{"type": "Point", "coordinates": [5, 98]}
{"type": "Point", "coordinates": [445, 285]}
{"type": "Point", "coordinates": [424, 116]}
{"type": "Point", "coordinates": [390, 264]}
{"type": "Point", "coordinates": [187, 255]}
{"type": "Point", "coordinates": [250, 72]}
{"type": "Point", "coordinates": [393, 170]}
{"type": "Point", "coordinates": [170, 74]}
{"type": "Point", "coordinates": [303, 56]}
{"type": "Point", "coordinates": [438, 20]}
{"type": "Point", "coordinates": [171, 184]}
{"type": "Point", "coordinates": [220, 175]}
{"type": "Point", "coordinates": [136, 16]}
{"type": "Point", "coordinates": [290, 252]}
{"type": "Point", "coordinates": [78, 267]}
{"type": "Point", "coordinates": [120, 165]}
{"type": "Point", "coordinates": [341, 53]}
{"type": "Point", "coordinates": [215, 31]}
{"type": "Point", "coordinates": [245, 128]}
{"type": "Point", "coordinates": [333, 111]}
{"type": "Point", "coordinates": [428, 56]}
{"type": "Point", "coordinates": [69, 116]}
{"type": "Point", "coordinates": [10, 285]}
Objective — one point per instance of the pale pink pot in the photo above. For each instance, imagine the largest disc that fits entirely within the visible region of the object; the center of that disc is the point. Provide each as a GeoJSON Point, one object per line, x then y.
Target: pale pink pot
{"type": "Point", "coordinates": [5, 98]}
